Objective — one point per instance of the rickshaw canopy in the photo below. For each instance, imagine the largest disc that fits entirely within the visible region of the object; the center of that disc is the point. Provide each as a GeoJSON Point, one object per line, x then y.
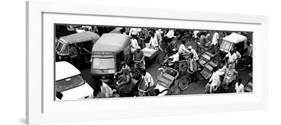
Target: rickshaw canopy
{"type": "Point", "coordinates": [111, 42]}
{"type": "Point", "coordinates": [235, 38]}
{"type": "Point", "coordinates": [116, 30]}
{"type": "Point", "coordinates": [80, 37]}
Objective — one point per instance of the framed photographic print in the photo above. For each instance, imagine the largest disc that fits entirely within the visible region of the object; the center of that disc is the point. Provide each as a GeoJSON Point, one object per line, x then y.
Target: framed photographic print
{"type": "Point", "coordinates": [91, 62]}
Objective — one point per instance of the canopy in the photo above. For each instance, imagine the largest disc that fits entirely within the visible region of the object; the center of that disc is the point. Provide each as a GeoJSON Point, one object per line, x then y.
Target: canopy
{"type": "Point", "coordinates": [111, 42]}
{"type": "Point", "coordinates": [116, 30]}
{"type": "Point", "coordinates": [65, 70]}
{"type": "Point", "coordinates": [80, 37]}
{"type": "Point", "coordinates": [235, 38]}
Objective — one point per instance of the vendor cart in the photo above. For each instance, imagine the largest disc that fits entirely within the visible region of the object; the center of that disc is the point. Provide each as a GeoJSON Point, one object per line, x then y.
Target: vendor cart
{"type": "Point", "coordinates": [207, 63]}
{"type": "Point", "coordinates": [166, 78]}
{"type": "Point", "coordinates": [150, 53]}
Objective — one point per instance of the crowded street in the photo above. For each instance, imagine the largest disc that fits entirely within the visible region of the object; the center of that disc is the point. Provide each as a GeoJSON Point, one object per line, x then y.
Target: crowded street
{"type": "Point", "coordinates": [110, 62]}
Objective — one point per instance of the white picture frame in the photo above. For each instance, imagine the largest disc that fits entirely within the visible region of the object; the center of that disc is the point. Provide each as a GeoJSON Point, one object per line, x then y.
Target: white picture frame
{"type": "Point", "coordinates": [41, 108]}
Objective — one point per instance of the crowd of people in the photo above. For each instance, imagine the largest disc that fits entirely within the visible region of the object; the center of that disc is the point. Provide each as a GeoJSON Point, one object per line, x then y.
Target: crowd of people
{"type": "Point", "coordinates": [175, 45]}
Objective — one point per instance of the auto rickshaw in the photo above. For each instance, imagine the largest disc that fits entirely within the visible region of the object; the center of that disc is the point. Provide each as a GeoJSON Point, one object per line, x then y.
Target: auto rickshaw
{"type": "Point", "coordinates": [108, 53]}
{"type": "Point", "coordinates": [75, 47]}
{"type": "Point", "coordinates": [233, 40]}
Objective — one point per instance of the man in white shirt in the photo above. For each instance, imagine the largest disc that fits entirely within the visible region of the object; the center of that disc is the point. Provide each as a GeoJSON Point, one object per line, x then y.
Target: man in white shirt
{"type": "Point", "coordinates": [239, 87]}
{"type": "Point", "coordinates": [105, 90]}
{"type": "Point", "coordinates": [159, 35]}
{"type": "Point", "coordinates": [195, 55]}
{"type": "Point", "coordinates": [214, 81]}
{"type": "Point", "coordinates": [233, 56]}
{"type": "Point", "coordinates": [182, 50]}
{"type": "Point", "coordinates": [148, 80]}
{"type": "Point", "coordinates": [153, 42]}
{"type": "Point", "coordinates": [134, 31]}
{"type": "Point", "coordinates": [195, 32]}
{"type": "Point", "coordinates": [170, 34]}
{"type": "Point", "coordinates": [215, 38]}
{"type": "Point", "coordinates": [134, 44]}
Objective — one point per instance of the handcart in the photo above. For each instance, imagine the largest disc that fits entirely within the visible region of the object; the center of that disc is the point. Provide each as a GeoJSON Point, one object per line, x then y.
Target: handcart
{"type": "Point", "coordinates": [166, 78]}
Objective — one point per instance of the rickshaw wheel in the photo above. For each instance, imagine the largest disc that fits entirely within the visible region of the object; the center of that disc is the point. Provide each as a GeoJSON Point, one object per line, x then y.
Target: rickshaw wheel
{"type": "Point", "coordinates": [184, 83]}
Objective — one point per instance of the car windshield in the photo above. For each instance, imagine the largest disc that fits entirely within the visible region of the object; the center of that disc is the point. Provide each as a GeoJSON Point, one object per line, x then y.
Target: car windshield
{"type": "Point", "coordinates": [103, 63]}
{"type": "Point", "coordinates": [69, 83]}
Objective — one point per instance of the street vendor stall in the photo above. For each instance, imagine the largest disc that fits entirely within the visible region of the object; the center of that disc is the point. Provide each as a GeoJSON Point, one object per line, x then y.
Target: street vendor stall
{"type": "Point", "coordinates": [207, 63]}
{"type": "Point", "coordinates": [166, 78]}
{"type": "Point", "coordinates": [150, 53]}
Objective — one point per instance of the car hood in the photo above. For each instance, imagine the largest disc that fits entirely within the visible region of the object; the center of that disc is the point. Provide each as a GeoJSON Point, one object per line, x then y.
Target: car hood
{"type": "Point", "coordinates": [78, 92]}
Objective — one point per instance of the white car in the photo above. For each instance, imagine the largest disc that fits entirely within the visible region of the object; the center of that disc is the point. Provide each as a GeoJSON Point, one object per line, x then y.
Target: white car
{"type": "Point", "coordinates": [70, 84]}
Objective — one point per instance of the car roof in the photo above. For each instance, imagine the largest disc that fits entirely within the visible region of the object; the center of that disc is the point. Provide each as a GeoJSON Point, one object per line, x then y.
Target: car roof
{"type": "Point", "coordinates": [80, 37]}
{"type": "Point", "coordinates": [235, 38]}
{"type": "Point", "coordinates": [111, 42]}
{"type": "Point", "coordinates": [64, 70]}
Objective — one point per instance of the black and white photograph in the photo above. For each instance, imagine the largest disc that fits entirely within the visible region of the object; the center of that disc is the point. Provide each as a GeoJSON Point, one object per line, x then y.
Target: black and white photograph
{"type": "Point", "coordinates": [98, 61]}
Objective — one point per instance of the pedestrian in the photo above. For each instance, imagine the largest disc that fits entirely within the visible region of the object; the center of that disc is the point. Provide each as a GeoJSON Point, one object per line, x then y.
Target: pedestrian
{"type": "Point", "coordinates": [125, 84]}
{"type": "Point", "coordinates": [192, 67]}
{"type": "Point", "coordinates": [203, 39]}
{"type": "Point", "coordinates": [124, 66]}
{"type": "Point", "coordinates": [230, 75]}
{"type": "Point", "coordinates": [158, 33]}
{"type": "Point", "coordinates": [192, 64]}
{"type": "Point", "coordinates": [138, 59]}
{"type": "Point", "coordinates": [214, 81]}
{"type": "Point", "coordinates": [134, 42]}
{"type": "Point", "coordinates": [233, 56]}
{"type": "Point", "coordinates": [134, 31]}
{"type": "Point", "coordinates": [191, 50]}
{"type": "Point", "coordinates": [170, 35]}
{"type": "Point", "coordinates": [153, 42]}
{"type": "Point", "coordinates": [148, 80]}
{"type": "Point", "coordinates": [215, 41]}
{"type": "Point", "coordinates": [239, 87]}
{"type": "Point", "coordinates": [249, 53]}
{"type": "Point", "coordinates": [105, 90]}
{"type": "Point", "coordinates": [195, 34]}
{"type": "Point", "coordinates": [181, 51]}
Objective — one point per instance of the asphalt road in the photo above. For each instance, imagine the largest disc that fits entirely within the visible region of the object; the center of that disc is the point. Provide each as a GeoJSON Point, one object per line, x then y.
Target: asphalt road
{"type": "Point", "coordinates": [197, 87]}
